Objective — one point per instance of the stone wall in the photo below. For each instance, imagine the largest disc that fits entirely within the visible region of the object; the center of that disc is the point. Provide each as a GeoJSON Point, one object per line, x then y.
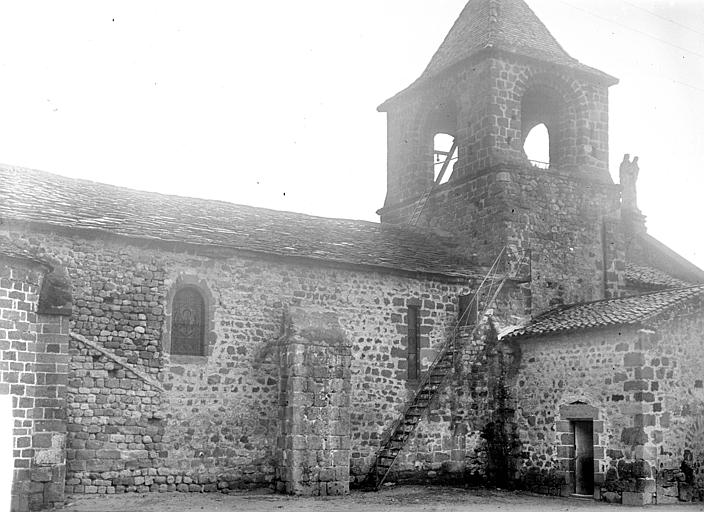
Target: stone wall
{"type": "Point", "coordinates": [115, 426]}
{"type": "Point", "coordinates": [314, 383]}
{"type": "Point", "coordinates": [645, 393]}
{"type": "Point", "coordinates": [464, 436]}
{"type": "Point", "coordinates": [34, 366]}
{"type": "Point", "coordinates": [495, 196]}
{"type": "Point", "coordinates": [559, 217]}
{"type": "Point", "coordinates": [601, 369]}
{"type": "Point", "coordinates": [674, 419]}
{"type": "Point", "coordinates": [485, 97]}
{"type": "Point", "coordinates": [216, 423]}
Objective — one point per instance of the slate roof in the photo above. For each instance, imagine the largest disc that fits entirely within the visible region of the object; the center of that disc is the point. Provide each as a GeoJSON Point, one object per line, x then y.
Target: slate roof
{"type": "Point", "coordinates": [646, 251]}
{"type": "Point", "coordinates": [509, 25]}
{"type": "Point", "coordinates": [652, 278]}
{"type": "Point", "coordinates": [50, 199]}
{"type": "Point", "coordinates": [506, 24]}
{"type": "Point", "coordinates": [605, 313]}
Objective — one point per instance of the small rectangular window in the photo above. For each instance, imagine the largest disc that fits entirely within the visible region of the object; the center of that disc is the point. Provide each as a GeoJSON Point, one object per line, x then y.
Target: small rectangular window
{"type": "Point", "coordinates": [413, 343]}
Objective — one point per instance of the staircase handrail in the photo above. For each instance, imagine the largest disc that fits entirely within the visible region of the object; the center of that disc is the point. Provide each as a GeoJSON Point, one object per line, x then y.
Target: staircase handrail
{"type": "Point", "coordinates": [449, 343]}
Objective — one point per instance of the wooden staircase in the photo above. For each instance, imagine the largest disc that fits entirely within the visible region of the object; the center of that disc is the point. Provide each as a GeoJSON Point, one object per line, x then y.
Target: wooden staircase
{"type": "Point", "coordinates": [443, 365]}
{"type": "Point", "coordinates": [407, 423]}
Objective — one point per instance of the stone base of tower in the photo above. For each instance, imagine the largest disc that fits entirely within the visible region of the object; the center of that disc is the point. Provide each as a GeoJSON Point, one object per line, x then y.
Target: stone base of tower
{"type": "Point", "coordinates": [558, 216]}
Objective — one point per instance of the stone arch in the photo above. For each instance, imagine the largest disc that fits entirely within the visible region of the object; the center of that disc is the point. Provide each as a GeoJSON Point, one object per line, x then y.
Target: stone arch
{"type": "Point", "coordinates": [186, 282]}
{"type": "Point", "coordinates": [440, 119]}
{"type": "Point", "coordinates": [546, 99]}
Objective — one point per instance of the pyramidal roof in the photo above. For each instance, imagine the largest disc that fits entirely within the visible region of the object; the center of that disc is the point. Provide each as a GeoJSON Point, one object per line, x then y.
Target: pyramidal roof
{"type": "Point", "coordinates": [505, 24]}
{"type": "Point", "coordinates": [508, 25]}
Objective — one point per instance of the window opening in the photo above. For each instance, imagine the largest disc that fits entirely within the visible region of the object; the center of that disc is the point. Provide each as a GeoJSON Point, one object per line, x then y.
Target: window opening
{"type": "Point", "coordinates": [543, 124]}
{"type": "Point", "coordinates": [443, 143]}
{"type": "Point", "coordinates": [188, 323]}
{"type": "Point", "coordinates": [537, 146]}
{"type": "Point", "coordinates": [413, 343]}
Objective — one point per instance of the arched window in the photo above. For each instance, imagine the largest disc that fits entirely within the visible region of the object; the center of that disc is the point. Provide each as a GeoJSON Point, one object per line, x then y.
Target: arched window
{"type": "Point", "coordinates": [543, 119]}
{"type": "Point", "coordinates": [441, 127]}
{"type": "Point", "coordinates": [188, 323]}
{"type": "Point", "coordinates": [537, 145]}
{"type": "Point", "coordinates": [444, 149]}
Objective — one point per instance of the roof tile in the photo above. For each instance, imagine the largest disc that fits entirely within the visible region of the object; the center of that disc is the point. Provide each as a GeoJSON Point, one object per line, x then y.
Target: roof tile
{"type": "Point", "coordinates": [653, 278]}
{"type": "Point", "coordinates": [605, 313]}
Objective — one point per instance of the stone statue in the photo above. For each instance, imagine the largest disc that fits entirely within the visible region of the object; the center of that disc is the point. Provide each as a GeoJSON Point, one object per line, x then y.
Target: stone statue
{"type": "Point", "coordinates": [628, 175]}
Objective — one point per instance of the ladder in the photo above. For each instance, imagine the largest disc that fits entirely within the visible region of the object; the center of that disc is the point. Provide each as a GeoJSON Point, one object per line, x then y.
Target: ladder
{"type": "Point", "coordinates": [443, 365]}
{"type": "Point", "coordinates": [420, 205]}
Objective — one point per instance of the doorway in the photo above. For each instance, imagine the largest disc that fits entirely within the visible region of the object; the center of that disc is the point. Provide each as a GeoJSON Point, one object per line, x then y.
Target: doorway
{"type": "Point", "coordinates": [583, 457]}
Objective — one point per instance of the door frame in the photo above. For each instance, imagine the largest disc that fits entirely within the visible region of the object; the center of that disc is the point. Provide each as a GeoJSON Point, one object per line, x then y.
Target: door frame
{"type": "Point", "coordinates": [575, 412]}
{"type": "Point", "coordinates": [583, 432]}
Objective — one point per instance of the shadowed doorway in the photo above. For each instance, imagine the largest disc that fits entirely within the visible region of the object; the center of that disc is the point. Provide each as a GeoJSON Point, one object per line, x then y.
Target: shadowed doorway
{"type": "Point", "coordinates": [584, 457]}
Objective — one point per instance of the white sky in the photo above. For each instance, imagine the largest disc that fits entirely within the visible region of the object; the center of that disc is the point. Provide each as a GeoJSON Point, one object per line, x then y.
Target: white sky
{"type": "Point", "coordinates": [273, 103]}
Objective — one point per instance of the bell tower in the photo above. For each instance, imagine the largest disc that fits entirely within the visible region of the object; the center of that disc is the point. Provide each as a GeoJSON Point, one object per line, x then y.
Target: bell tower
{"type": "Point", "coordinates": [498, 74]}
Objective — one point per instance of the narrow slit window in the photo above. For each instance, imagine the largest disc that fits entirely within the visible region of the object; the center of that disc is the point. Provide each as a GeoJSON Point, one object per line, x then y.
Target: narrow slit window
{"type": "Point", "coordinates": [188, 323]}
{"type": "Point", "coordinates": [413, 343]}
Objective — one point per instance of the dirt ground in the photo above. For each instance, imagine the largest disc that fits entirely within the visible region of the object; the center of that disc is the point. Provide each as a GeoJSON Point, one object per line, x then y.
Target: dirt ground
{"type": "Point", "coordinates": [404, 499]}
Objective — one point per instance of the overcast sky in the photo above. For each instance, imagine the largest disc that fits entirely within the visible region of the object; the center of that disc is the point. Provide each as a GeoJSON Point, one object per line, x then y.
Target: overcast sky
{"type": "Point", "coordinates": [273, 103]}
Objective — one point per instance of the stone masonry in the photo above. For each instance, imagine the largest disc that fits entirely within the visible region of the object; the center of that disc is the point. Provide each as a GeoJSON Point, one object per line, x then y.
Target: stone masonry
{"type": "Point", "coordinates": [643, 389]}
{"type": "Point", "coordinates": [314, 442]}
{"type": "Point", "coordinates": [215, 424]}
{"type": "Point", "coordinates": [34, 345]}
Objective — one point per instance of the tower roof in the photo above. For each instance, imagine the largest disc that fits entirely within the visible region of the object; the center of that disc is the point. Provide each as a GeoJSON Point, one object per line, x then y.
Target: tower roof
{"type": "Point", "coordinates": [505, 25]}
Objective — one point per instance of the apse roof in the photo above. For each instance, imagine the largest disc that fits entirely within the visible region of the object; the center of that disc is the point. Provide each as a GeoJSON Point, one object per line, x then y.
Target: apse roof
{"type": "Point", "coordinates": [605, 313]}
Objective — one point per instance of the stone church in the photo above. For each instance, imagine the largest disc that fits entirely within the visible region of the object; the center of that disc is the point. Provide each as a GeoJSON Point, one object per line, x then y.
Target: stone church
{"type": "Point", "coordinates": [508, 322]}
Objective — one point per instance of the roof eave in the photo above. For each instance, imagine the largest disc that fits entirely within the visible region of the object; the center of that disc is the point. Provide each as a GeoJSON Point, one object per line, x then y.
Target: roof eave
{"type": "Point", "coordinates": [489, 51]}
{"type": "Point", "coordinates": [208, 249]}
{"type": "Point", "coordinates": [531, 335]}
